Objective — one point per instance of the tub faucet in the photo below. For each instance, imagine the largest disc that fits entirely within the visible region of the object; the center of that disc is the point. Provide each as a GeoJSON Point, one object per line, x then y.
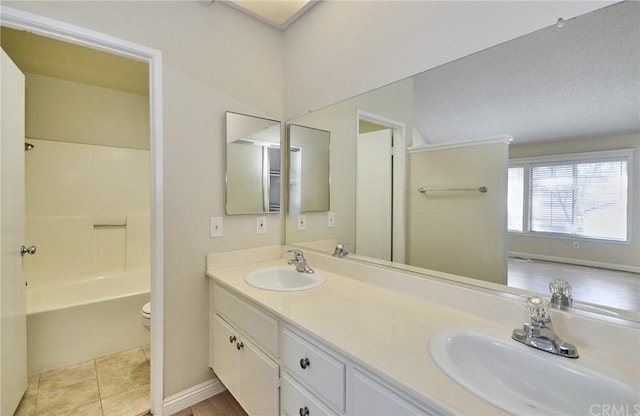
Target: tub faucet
{"type": "Point", "coordinates": [300, 262]}
{"type": "Point", "coordinates": [539, 332]}
{"type": "Point", "coordinates": [340, 251]}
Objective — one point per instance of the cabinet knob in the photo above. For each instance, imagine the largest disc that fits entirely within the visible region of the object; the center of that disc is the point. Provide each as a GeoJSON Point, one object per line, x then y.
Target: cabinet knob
{"type": "Point", "coordinates": [239, 345]}
{"type": "Point", "coordinates": [304, 411]}
{"type": "Point", "coordinates": [304, 363]}
{"type": "Point", "coordinates": [232, 339]}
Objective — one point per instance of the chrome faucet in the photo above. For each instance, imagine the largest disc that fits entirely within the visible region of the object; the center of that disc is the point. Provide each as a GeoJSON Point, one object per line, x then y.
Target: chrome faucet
{"type": "Point", "coordinates": [539, 332]}
{"type": "Point", "coordinates": [340, 251]}
{"type": "Point", "coordinates": [560, 293]}
{"type": "Point", "coordinates": [300, 262]}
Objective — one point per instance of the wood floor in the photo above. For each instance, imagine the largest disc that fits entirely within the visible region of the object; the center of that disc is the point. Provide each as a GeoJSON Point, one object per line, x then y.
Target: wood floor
{"type": "Point", "coordinates": [222, 404]}
{"type": "Point", "coordinates": [611, 288]}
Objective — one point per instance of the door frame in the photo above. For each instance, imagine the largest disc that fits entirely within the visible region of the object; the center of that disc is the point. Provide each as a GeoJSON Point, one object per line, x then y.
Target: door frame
{"type": "Point", "coordinates": [17, 19]}
{"type": "Point", "coordinates": [399, 179]}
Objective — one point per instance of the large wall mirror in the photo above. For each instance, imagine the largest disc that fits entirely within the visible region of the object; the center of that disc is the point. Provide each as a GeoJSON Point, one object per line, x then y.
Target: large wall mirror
{"type": "Point", "coordinates": [513, 166]}
{"type": "Point", "coordinates": [253, 164]}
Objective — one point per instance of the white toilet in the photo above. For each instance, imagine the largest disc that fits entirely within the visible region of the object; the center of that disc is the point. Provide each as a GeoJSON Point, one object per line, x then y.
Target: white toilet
{"type": "Point", "coordinates": [146, 315]}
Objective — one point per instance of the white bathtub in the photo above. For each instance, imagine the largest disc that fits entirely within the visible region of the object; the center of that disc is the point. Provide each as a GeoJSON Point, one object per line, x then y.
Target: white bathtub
{"type": "Point", "coordinates": [77, 320]}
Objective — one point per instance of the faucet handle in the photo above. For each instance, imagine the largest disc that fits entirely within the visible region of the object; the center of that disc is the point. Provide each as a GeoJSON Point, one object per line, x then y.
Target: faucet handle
{"type": "Point", "coordinates": [560, 292]}
{"type": "Point", "coordinates": [538, 309]}
{"type": "Point", "coordinates": [297, 253]}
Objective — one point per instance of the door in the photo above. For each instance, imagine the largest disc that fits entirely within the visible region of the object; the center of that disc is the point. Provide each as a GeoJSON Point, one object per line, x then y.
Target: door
{"type": "Point", "coordinates": [13, 335]}
{"type": "Point", "coordinates": [374, 179]}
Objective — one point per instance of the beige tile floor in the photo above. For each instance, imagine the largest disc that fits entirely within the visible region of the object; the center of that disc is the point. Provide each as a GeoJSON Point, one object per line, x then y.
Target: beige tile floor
{"type": "Point", "coordinates": [113, 385]}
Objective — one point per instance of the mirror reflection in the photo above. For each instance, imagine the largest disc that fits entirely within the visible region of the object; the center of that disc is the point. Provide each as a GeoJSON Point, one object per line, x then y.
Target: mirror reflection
{"type": "Point", "coordinates": [308, 169]}
{"type": "Point", "coordinates": [548, 123]}
{"type": "Point", "coordinates": [253, 164]}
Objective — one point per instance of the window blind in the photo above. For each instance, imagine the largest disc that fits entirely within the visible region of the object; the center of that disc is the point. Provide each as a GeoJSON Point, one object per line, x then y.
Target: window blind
{"type": "Point", "coordinates": [587, 199]}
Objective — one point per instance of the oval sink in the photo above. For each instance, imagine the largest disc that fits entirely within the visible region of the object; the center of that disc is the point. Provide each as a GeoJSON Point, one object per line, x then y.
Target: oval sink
{"type": "Point", "coordinates": [283, 279]}
{"type": "Point", "coordinates": [524, 380]}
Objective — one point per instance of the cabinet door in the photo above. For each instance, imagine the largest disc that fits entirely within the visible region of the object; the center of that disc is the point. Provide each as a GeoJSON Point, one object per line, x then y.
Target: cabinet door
{"type": "Point", "coordinates": [372, 398]}
{"type": "Point", "coordinates": [225, 355]}
{"type": "Point", "coordinates": [258, 381]}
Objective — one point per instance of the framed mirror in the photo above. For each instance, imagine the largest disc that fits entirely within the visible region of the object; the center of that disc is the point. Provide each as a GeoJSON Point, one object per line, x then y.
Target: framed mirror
{"type": "Point", "coordinates": [569, 99]}
{"type": "Point", "coordinates": [253, 164]}
{"type": "Point", "coordinates": [309, 180]}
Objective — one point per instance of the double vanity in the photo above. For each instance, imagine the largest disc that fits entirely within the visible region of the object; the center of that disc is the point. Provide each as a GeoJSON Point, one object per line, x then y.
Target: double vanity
{"type": "Point", "coordinates": [344, 337]}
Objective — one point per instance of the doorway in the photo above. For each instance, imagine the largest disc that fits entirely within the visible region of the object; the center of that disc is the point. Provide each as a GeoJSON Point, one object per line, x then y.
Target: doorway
{"type": "Point", "coordinates": [380, 187]}
{"type": "Point", "coordinates": [15, 19]}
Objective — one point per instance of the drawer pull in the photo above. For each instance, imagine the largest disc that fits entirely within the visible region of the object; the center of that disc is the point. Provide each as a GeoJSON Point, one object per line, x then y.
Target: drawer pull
{"type": "Point", "coordinates": [304, 363]}
{"type": "Point", "coordinates": [232, 339]}
{"type": "Point", "coordinates": [304, 411]}
{"type": "Point", "coordinates": [239, 345]}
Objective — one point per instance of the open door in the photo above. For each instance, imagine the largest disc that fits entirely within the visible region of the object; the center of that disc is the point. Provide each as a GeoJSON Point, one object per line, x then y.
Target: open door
{"type": "Point", "coordinates": [13, 333]}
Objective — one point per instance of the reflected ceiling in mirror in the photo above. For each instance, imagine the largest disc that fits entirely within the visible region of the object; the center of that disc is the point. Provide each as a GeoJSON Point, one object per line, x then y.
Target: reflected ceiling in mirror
{"type": "Point", "coordinates": [561, 93]}
{"type": "Point", "coordinates": [253, 164]}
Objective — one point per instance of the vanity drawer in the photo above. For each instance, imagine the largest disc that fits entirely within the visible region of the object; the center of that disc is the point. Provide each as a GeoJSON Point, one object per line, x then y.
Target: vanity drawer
{"type": "Point", "coordinates": [259, 326]}
{"type": "Point", "coordinates": [295, 400]}
{"type": "Point", "coordinates": [315, 368]}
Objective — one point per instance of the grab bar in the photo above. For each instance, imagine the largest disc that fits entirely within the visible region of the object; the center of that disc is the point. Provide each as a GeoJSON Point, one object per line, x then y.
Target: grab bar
{"type": "Point", "coordinates": [109, 225]}
{"type": "Point", "coordinates": [422, 190]}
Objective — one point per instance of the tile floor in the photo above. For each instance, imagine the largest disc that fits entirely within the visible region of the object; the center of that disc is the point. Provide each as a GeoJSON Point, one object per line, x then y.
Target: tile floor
{"type": "Point", "coordinates": [113, 385]}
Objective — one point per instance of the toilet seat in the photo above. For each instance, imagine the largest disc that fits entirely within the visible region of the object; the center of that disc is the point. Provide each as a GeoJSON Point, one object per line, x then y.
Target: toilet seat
{"type": "Point", "coordinates": [146, 310]}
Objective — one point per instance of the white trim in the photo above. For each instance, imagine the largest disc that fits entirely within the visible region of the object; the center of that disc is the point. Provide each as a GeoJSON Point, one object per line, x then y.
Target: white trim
{"type": "Point", "coordinates": [189, 397]}
{"type": "Point", "coordinates": [504, 138]}
{"type": "Point", "coordinates": [399, 179]}
{"type": "Point", "coordinates": [579, 262]}
{"type": "Point", "coordinates": [44, 26]}
{"type": "Point", "coordinates": [573, 157]}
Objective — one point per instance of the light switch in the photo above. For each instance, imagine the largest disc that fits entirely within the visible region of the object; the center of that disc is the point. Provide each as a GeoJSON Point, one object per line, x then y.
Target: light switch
{"type": "Point", "coordinates": [331, 219]}
{"type": "Point", "coordinates": [261, 225]}
{"type": "Point", "coordinates": [215, 227]}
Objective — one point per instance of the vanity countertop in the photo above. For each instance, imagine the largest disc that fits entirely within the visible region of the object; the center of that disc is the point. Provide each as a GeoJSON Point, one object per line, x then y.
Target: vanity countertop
{"type": "Point", "coordinates": [387, 331]}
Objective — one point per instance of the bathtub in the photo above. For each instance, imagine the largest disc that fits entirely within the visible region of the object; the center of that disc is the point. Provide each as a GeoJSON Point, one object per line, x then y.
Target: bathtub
{"type": "Point", "coordinates": [77, 320]}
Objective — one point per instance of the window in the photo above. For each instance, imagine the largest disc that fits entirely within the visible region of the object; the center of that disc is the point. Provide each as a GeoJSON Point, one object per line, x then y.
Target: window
{"type": "Point", "coordinates": [585, 196]}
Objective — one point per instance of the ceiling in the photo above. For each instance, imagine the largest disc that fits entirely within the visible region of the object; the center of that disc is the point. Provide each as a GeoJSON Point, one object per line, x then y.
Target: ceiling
{"type": "Point", "coordinates": [53, 58]}
{"type": "Point", "coordinates": [279, 13]}
{"type": "Point", "coordinates": [581, 80]}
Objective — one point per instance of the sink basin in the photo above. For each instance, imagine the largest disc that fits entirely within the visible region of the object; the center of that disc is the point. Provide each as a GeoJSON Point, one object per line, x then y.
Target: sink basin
{"type": "Point", "coordinates": [283, 279]}
{"type": "Point", "coordinates": [523, 380]}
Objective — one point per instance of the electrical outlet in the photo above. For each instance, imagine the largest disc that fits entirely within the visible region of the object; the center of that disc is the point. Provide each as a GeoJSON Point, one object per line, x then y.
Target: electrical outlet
{"type": "Point", "coordinates": [261, 225]}
{"type": "Point", "coordinates": [215, 227]}
{"type": "Point", "coordinates": [576, 244]}
{"type": "Point", "coordinates": [302, 222]}
{"type": "Point", "coordinates": [331, 219]}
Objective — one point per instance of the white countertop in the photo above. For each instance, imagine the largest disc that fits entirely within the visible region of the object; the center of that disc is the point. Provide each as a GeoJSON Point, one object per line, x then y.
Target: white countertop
{"type": "Point", "coordinates": [386, 331]}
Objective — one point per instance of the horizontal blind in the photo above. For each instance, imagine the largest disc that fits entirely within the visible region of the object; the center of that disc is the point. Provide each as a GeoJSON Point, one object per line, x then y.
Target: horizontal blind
{"type": "Point", "coordinates": [587, 199]}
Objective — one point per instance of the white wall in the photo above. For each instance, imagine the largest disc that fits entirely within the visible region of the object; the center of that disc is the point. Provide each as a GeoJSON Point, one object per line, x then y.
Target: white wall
{"type": "Point", "coordinates": [343, 48]}
{"type": "Point", "coordinates": [214, 59]}
{"type": "Point", "coordinates": [74, 112]}
{"type": "Point", "coordinates": [590, 252]}
{"type": "Point", "coordinates": [462, 233]}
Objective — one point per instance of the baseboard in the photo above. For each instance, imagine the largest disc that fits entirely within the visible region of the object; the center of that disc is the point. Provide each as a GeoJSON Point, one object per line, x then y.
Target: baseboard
{"type": "Point", "coordinates": [189, 397]}
{"type": "Point", "coordinates": [579, 262]}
